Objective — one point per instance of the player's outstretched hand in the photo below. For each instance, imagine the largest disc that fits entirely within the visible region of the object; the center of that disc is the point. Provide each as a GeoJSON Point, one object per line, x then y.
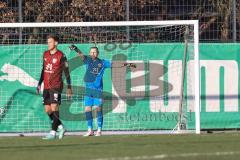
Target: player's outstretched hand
{"type": "Point", "coordinates": [73, 47]}
{"type": "Point", "coordinates": [131, 65]}
{"type": "Point", "coordinates": [69, 94]}
{"type": "Point", "coordinates": [38, 89]}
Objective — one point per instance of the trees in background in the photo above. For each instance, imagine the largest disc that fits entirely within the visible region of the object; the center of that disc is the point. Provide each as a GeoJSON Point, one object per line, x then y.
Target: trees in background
{"type": "Point", "coordinates": [215, 16]}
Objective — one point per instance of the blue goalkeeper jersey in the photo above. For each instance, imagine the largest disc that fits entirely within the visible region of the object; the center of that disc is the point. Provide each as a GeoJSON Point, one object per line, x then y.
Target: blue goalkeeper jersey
{"type": "Point", "coordinates": [94, 72]}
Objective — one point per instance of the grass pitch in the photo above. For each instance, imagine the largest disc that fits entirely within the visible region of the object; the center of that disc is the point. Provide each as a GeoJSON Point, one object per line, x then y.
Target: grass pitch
{"type": "Point", "coordinates": [125, 147]}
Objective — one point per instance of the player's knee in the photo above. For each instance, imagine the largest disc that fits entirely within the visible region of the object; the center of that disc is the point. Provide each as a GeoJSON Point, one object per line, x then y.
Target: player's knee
{"type": "Point", "coordinates": [48, 109]}
{"type": "Point", "coordinates": [88, 109]}
{"type": "Point", "coordinates": [54, 107]}
{"type": "Point", "coordinates": [98, 109]}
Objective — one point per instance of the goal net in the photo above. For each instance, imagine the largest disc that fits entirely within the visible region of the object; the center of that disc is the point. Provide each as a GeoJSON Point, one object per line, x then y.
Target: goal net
{"type": "Point", "coordinates": [160, 95]}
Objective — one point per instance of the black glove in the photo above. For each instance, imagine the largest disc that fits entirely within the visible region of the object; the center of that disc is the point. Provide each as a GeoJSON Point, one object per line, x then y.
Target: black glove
{"type": "Point", "coordinates": [73, 47]}
{"type": "Point", "coordinates": [132, 65]}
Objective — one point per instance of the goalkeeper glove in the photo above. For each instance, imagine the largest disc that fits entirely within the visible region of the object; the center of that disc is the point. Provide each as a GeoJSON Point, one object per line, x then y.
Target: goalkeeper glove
{"type": "Point", "coordinates": [130, 65]}
{"type": "Point", "coordinates": [73, 47]}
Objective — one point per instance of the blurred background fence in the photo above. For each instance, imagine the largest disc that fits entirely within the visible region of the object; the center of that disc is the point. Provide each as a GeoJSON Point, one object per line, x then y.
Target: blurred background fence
{"type": "Point", "coordinates": [219, 19]}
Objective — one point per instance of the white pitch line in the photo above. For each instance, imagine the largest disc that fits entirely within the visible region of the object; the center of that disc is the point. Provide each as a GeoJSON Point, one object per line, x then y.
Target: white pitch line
{"type": "Point", "coordinates": [164, 156]}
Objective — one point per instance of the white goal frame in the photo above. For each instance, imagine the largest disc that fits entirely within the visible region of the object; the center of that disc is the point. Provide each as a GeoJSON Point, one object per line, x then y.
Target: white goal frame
{"type": "Point", "coordinates": [135, 23]}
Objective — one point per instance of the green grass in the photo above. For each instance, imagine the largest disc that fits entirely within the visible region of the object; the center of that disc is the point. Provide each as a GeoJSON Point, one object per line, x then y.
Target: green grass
{"type": "Point", "coordinates": [174, 147]}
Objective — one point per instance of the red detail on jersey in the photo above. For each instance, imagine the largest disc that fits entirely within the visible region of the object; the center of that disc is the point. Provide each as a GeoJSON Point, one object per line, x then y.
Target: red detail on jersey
{"type": "Point", "coordinates": [53, 69]}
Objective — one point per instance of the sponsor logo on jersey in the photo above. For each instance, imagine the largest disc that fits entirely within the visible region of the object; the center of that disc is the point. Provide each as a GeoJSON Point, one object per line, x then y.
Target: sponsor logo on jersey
{"type": "Point", "coordinates": [54, 60]}
{"type": "Point", "coordinates": [49, 66]}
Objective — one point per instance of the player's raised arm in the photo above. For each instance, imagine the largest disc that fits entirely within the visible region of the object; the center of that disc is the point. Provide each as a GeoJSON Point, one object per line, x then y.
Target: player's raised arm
{"type": "Point", "coordinates": [78, 51]}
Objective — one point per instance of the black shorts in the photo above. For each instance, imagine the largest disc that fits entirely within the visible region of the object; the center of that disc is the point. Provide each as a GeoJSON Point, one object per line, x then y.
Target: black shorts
{"type": "Point", "coordinates": [51, 96]}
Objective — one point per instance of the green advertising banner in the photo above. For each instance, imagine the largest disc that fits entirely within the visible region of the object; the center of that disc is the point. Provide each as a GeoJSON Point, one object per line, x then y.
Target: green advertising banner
{"type": "Point", "coordinates": [145, 98]}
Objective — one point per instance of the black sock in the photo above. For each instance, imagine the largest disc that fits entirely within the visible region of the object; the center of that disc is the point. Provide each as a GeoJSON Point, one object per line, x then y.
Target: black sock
{"type": "Point", "coordinates": [59, 121]}
{"type": "Point", "coordinates": [50, 115]}
{"type": "Point", "coordinates": [56, 120]}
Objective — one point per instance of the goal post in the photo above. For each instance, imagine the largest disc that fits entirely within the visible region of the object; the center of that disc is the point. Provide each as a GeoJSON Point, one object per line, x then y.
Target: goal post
{"type": "Point", "coordinates": [148, 98]}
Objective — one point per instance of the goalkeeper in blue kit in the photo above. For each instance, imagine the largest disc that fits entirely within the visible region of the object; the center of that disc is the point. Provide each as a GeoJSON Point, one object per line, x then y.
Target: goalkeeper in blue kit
{"type": "Point", "coordinates": [94, 85]}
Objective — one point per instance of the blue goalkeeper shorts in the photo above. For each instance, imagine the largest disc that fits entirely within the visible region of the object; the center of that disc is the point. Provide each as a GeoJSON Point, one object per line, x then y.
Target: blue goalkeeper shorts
{"type": "Point", "coordinates": [93, 96]}
{"type": "Point", "coordinates": [91, 101]}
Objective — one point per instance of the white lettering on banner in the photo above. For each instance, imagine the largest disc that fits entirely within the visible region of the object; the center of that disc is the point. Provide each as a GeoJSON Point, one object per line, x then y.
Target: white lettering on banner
{"type": "Point", "coordinates": [212, 71]}
{"type": "Point", "coordinates": [156, 80]}
{"type": "Point", "coordinates": [174, 69]}
{"type": "Point", "coordinates": [15, 73]}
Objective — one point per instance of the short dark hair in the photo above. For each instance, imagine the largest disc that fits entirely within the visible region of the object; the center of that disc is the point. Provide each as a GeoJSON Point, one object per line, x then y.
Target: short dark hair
{"type": "Point", "coordinates": [95, 48]}
{"type": "Point", "coordinates": [54, 37]}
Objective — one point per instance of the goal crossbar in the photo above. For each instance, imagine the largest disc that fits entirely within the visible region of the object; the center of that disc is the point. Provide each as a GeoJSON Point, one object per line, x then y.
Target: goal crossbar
{"type": "Point", "coordinates": [98, 24]}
